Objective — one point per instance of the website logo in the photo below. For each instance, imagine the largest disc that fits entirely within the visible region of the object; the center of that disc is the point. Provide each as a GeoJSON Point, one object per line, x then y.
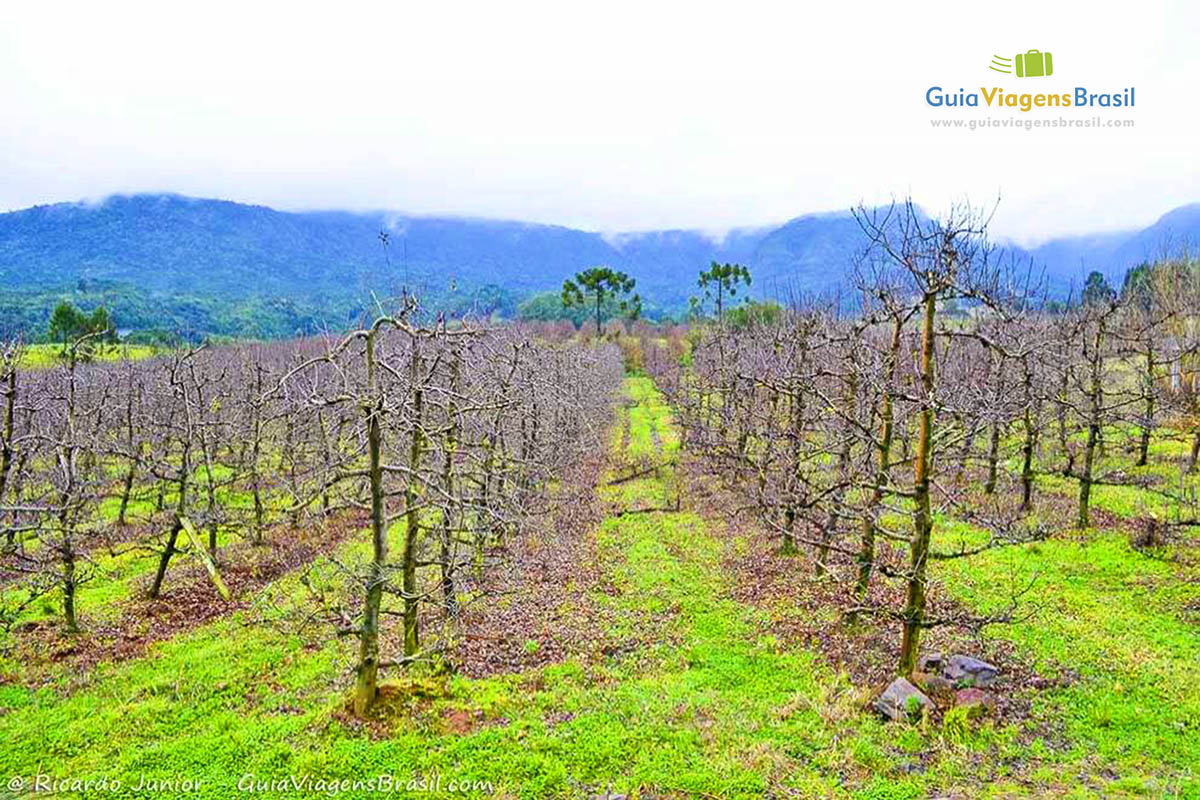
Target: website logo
{"type": "Point", "coordinates": [1030, 64]}
{"type": "Point", "coordinates": [1048, 97]}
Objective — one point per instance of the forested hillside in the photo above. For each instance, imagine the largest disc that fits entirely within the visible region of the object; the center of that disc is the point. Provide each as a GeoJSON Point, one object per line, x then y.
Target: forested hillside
{"type": "Point", "coordinates": [208, 266]}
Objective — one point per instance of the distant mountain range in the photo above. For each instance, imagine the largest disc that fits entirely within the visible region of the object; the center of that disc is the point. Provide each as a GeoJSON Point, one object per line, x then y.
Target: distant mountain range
{"type": "Point", "coordinates": [167, 247]}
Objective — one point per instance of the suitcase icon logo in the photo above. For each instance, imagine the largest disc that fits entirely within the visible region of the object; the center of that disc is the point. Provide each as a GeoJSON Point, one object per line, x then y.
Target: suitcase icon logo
{"type": "Point", "coordinates": [1030, 64]}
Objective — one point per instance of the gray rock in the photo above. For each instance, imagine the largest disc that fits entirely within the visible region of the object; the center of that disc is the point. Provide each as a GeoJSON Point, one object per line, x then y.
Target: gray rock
{"type": "Point", "coordinates": [968, 671]}
{"type": "Point", "coordinates": [932, 683]}
{"type": "Point", "coordinates": [901, 701]}
{"type": "Point", "coordinates": [933, 663]}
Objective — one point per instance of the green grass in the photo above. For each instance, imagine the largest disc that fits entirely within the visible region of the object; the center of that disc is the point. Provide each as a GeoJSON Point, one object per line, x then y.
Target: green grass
{"type": "Point", "coordinates": [40, 356]}
{"type": "Point", "coordinates": [113, 577]}
{"type": "Point", "coordinates": [1113, 622]}
{"type": "Point", "coordinates": [705, 704]}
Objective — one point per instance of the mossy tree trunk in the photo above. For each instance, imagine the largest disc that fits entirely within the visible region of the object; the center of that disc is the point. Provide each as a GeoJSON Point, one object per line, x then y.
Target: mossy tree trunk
{"type": "Point", "coordinates": [866, 550]}
{"type": "Point", "coordinates": [367, 686]}
{"type": "Point", "coordinates": [412, 500]}
{"type": "Point", "coordinates": [913, 614]}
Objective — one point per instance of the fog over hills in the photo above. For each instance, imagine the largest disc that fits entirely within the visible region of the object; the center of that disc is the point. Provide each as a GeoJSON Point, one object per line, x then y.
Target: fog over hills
{"type": "Point", "coordinates": [324, 263]}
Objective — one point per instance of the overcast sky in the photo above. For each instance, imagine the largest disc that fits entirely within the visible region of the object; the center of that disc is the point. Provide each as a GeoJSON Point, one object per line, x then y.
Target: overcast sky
{"type": "Point", "coordinates": [608, 116]}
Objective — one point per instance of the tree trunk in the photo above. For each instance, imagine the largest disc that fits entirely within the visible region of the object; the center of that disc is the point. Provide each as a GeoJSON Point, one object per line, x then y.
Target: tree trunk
{"type": "Point", "coordinates": [367, 685]}
{"type": "Point", "coordinates": [6, 451]}
{"type": "Point", "coordinates": [165, 558]}
{"type": "Point", "coordinates": [1063, 440]}
{"type": "Point", "coordinates": [989, 486]}
{"type": "Point", "coordinates": [1095, 397]}
{"type": "Point", "coordinates": [15, 488]}
{"type": "Point", "coordinates": [68, 585]}
{"type": "Point", "coordinates": [866, 551]}
{"type": "Point", "coordinates": [789, 514]}
{"type": "Point", "coordinates": [256, 535]}
{"type": "Point", "coordinates": [914, 606]}
{"type": "Point", "coordinates": [964, 450]}
{"type": "Point", "coordinates": [6, 447]}
{"type": "Point", "coordinates": [185, 469]}
{"type": "Point", "coordinates": [412, 521]}
{"type": "Point", "coordinates": [126, 491]}
{"type": "Point", "coordinates": [448, 556]}
{"type": "Point", "coordinates": [1148, 422]}
{"type": "Point", "coordinates": [289, 451]}
{"type": "Point", "coordinates": [993, 457]}
{"type": "Point", "coordinates": [1030, 439]}
{"type": "Point", "coordinates": [829, 529]}
{"type": "Point", "coordinates": [212, 506]}
{"type": "Point", "coordinates": [134, 455]}
{"type": "Point", "coordinates": [326, 459]}
{"type": "Point", "coordinates": [768, 457]}
{"type": "Point", "coordinates": [1085, 479]}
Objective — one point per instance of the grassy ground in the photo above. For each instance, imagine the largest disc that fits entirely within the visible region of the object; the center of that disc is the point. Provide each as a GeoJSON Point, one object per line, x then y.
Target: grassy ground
{"type": "Point", "coordinates": [37, 356]}
{"type": "Point", "coordinates": [112, 574]}
{"type": "Point", "coordinates": [1128, 722]}
{"type": "Point", "coordinates": [693, 701]}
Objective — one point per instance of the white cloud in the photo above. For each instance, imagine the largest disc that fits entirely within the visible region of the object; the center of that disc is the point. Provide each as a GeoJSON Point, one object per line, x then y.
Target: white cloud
{"type": "Point", "coordinates": [617, 116]}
